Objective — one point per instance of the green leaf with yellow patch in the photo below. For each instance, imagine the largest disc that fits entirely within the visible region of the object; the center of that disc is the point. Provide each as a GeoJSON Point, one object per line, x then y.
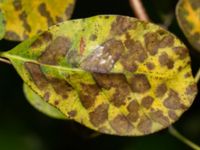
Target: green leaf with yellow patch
{"type": "Point", "coordinates": [114, 74]}
{"type": "Point", "coordinates": [188, 15]}
{"type": "Point", "coordinates": [25, 18]}
{"type": "Point", "coordinates": [2, 28]}
{"type": "Point", "coordinates": [38, 103]}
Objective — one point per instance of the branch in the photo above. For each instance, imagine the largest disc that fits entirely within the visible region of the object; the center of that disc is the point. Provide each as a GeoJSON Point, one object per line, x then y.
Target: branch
{"type": "Point", "coordinates": [176, 134]}
{"type": "Point", "coordinates": [139, 10]}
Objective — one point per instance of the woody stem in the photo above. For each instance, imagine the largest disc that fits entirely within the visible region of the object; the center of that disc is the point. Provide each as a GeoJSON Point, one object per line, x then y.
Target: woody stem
{"type": "Point", "coordinates": [139, 10]}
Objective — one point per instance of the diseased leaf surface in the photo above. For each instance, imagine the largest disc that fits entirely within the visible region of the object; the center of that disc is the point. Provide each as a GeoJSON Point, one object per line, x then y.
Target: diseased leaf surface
{"type": "Point", "coordinates": [114, 74]}
{"type": "Point", "coordinates": [37, 102]}
{"type": "Point", "coordinates": [25, 18]}
{"type": "Point", "coordinates": [188, 15]}
{"type": "Point", "coordinates": [2, 28]}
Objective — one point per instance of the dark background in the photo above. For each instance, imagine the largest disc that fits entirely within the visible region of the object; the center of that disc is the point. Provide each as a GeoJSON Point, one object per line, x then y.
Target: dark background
{"type": "Point", "coordinates": [24, 128]}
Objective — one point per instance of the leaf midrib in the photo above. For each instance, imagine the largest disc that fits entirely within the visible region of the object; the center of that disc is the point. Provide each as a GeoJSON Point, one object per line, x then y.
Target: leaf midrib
{"type": "Point", "coordinates": [10, 56]}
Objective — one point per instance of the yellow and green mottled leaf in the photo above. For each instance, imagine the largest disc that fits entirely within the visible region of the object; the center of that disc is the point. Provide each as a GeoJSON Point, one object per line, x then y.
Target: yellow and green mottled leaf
{"type": "Point", "coordinates": [2, 28]}
{"type": "Point", "coordinates": [37, 102]}
{"type": "Point", "coordinates": [114, 74]}
{"type": "Point", "coordinates": [188, 15]}
{"type": "Point", "coordinates": [25, 18]}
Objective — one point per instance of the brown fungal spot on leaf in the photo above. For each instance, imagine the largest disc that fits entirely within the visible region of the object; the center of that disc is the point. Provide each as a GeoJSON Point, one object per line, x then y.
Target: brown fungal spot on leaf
{"type": "Point", "coordinates": [195, 4]}
{"type": "Point", "coordinates": [151, 42]}
{"type": "Point", "coordinates": [121, 90]}
{"type": "Point", "coordinates": [147, 101]}
{"type": "Point", "coordinates": [121, 25]}
{"type": "Point", "coordinates": [182, 52]}
{"type": "Point", "coordinates": [12, 35]}
{"type": "Point", "coordinates": [56, 49]}
{"type": "Point", "coordinates": [133, 109]}
{"type": "Point", "coordinates": [59, 19]}
{"type": "Point", "coordinates": [172, 114]}
{"type": "Point", "coordinates": [17, 4]}
{"type": "Point", "coordinates": [36, 74]}
{"type": "Point", "coordinates": [72, 113]}
{"type": "Point", "coordinates": [104, 80]}
{"type": "Point", "coordinates": [121, 125]}
{"type": "Point", "coordinates": [139, 83]}
{"type": "Point", "coordinates": [117, 81]}
{"type": "Point", "coordinates": [128, 65]}
{"type": "Point", "coordinates": [166, 61]}
{"type": "Point", "coordinates": [46, 96]}
{"type": "Point", "coordinates": [150, 65]}
{"type": "Point", "coordinates": [88, 94]}
{"type": "Point", "coordinates": [161, 90]}
{"type": "Point", "coordinates": [69, 10]}
{"type": "Point", "coordinates": [23, 18]}
{"type": "Point", "coordinates": [60, 86]}
{"type": "Point", "coordinates": [93, 37]}
{"type": "Point", "coordinates": [173, 100]}
{"type": "Point", "coordinates": [187, 75]}
{"type": "Point", "coordinates": [191, 89]}
{"type": "Point", "coordinates": [119, 97]}
{"type": "Point", "coordinates": [45, 13]}
{"type": "Point", "coordinates": [99, 115]}
{"type": "Point", "coordinates": [106, 17]}
{"type": "Point", "coordinates": [135, 52]}
{"type": "Point", "coordinates": [104, 57]}
{"type": "Point", "coordinates": [45, 37]}
{"type": "Point", "coordinates": [180, 68]}
{"type": "Point", "coordinates": [56, 102]}
{"type": "Point", "coordinates": [82, 45]}
{"type": "Point", "coordinates": [133, 106]}
{"type": "Point", "coordinates": [167, 41]}
{"type": "Point", "coordinates": [145, 125]}
{"type": "Point", "coordinates": [133, 116]}
{"type": "Point", "coordinates": [159, 117]}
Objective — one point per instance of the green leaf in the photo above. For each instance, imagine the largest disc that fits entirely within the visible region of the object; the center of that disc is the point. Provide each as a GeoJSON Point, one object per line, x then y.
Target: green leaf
{"type": "Point", "coordinates": [114, 74]}
{"type": "Point", "coordinates": [188, 15]}
{"type": "Point", "coordinates": [38, 103]}
{"type": "Point", "coordinates": [2, 29]}
{"type": "Point", "coordinates": [25, 18]}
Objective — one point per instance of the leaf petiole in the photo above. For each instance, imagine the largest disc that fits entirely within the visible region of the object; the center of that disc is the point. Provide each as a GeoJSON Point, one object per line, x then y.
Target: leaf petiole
{"type": "Point", "coordinates": [197, 77]}
{"type": "Point", "coordinates": [179, 136]}
{"type": "Point", "coordinates": [5, 60]}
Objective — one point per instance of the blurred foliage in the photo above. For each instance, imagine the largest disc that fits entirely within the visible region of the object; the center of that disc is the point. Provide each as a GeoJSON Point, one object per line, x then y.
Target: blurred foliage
{"type": "Point", "coordinates": [188, 16]}
{"type": "Point", "coordinates": [25, 18]}
{"type": "Point", "coordinates": [24, 128]}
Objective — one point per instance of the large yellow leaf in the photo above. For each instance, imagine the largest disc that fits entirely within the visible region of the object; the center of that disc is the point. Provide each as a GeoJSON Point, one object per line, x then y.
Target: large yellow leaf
{"type": "Point", "coordinates": [25, 18]}
{"type": "Point", "coordinates": [114, 74]}
{"type": "Point", "coordinates": [188, 15]}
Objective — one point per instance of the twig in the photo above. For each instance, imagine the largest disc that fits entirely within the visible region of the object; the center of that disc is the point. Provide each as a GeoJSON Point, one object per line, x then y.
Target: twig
{"type": "Point", "coordinates": [5, 60]}
{"type": "Point", "coordinates": [197, 77]}
{"type": "Point", "coordinates": [176, 134]}
{"type": "Point", "coordinates": [139, 10]}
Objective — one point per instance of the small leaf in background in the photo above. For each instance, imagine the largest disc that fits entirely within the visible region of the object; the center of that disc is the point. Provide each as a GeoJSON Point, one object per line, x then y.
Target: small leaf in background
{"type": "Point", "coordinates": [37, 102]}
{"type": "Point", "coordinates": [2, 28]}
{"type": "Point", "coordinates": [114, 74]}
{"type": "Point", "coordinates": [25, 18]}
{"type": "Point", "coordinates": [188, 15]}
